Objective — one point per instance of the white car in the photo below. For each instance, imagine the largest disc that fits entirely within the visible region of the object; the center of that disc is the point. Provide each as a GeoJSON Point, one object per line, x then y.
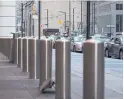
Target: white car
{"type": "Point", "coordinates": [77, 44]}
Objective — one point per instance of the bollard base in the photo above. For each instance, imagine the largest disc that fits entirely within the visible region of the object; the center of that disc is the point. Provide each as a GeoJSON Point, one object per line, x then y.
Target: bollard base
{"type": "Point", "coordinates": [46, 84]}
{"type": "Point", "coordinates": [18, 65]}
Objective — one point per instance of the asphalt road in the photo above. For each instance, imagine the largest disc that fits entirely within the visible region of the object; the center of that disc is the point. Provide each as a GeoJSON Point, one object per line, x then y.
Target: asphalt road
{"type": "Point", "coordinates": [113, 76]}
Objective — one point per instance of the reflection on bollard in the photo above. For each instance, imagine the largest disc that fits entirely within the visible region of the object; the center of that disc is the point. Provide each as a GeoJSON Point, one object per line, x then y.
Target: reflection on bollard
{"type": "Point", "coordinates": [25, 67]}
{"type": "Point", "coordinates": [63, 70]}
{"type": "Point", "coordinates": [34, 58]}
{"type": "Point", "coordinates": [46, 64]}
{"type": "Point", "coordinates": [93, 62]}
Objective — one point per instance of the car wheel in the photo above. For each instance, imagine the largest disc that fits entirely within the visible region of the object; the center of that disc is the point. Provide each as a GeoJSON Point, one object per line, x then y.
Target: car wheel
{"type": "Point", "coordinates": [74, 49]}
{"type": "Point", "coordinates": [121, 54]}
{"type": "Point", "coordinates": [107, 53]}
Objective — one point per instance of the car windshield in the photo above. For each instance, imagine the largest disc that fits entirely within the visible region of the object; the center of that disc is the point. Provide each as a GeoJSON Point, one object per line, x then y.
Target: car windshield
{"type": "Point", "coordinates": [78, 39]}
{"type": "Point", "coordinates": [101, 38]}
{"type": "Point", "coordinates": [52, 37]}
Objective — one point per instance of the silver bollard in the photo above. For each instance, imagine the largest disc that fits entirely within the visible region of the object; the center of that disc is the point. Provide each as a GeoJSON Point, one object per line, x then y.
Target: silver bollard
{"type": "Point", "coordinates": [11, 47]}
{"type": "Point", "coordinates": [46, 64]}
{"type": "Point", "coordinates": [34, 58]}
{"type": "Point", "coordinates": [25, 67]}
{"type": "Point", "coordinates": [93, 82]}
{"type": "Point", "coordinates": [20, 52]}
{"type": "Point", "coordinates": [63, 69]}
{"type": "Point", "coordinates": [0, 45]}
{"type": "Point", "coordinates": [16, 51]}
{"type": "Point", "coordinates": [3, 44]}
{"type": "Point", "coordinates": [5, 47]}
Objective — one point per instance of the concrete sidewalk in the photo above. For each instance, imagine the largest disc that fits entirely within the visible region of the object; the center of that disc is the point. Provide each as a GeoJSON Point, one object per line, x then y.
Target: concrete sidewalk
{"type": "Point", "coordinates": [15, 85]}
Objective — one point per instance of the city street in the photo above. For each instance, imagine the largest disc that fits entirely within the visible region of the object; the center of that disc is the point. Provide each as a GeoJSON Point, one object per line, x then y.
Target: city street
{"type": "Point", "coordinates": [14, 84]}
{"type": "Point", "coordinates": [113, 76]}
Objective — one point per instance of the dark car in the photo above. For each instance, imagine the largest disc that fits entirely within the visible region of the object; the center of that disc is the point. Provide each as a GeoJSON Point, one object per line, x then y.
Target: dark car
{"type": "Point", "coordinates": [115, 47]}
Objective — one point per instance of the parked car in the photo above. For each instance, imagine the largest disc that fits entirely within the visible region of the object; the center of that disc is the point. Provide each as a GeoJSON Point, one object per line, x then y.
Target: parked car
{"type": "Point", "coordinates": [77, 44]}
{"type": "Point", "coordinates": [102, 38]}
{"type": "Point", "coordinates": [115, 47]}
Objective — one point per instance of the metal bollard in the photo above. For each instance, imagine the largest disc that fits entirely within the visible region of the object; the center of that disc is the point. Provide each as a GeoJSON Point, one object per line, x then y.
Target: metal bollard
{"type": "Point", "coordinates": [20, 52]}
{"type": "Point", "coordinates": [93, 82]}
{"type": "Point", "coordinates": [46, 64]}
{"type": "Point", "coordinates": [16, 51]}
{"type": "Point", "coordinates": [63, 70]}
{"type": "Point", "coordinates": [11, 47]}
{"type": "Point", "coordinates": [0, 44]}
{"type": "Point", "coordinates": [34, 58]}
{"type": "Point", "coordinates": [5, 47]}
{"type": "Point", "coordinates": [4, 44]}
{"type": "Point", "coordinates": [25, 67]}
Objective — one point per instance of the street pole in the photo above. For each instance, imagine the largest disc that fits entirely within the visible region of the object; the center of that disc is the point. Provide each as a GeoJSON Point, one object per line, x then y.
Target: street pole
{"type": "Point", "coordinates": [88, 20]}
{"type": "Point", "coordinates": [39, 19]}
{"type": "Point", "coordinates": [73, 19]}
{"type": "Point", "coordinates": [94, 17]}
{"type": "Point", "coordinates": [22, 19]}
{"type": "Point", "coordinates": [65, 21]}
{"type": "Point", "coordinates": [47, 19]}
{"type": "Point", "coordinates": [69, 17]}
{"type": "Point", "coordinates": [81, 18]}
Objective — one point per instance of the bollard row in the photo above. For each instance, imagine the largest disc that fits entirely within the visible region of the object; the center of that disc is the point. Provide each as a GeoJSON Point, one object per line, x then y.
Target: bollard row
{"type": "Point", "coordinates": [34, 55]}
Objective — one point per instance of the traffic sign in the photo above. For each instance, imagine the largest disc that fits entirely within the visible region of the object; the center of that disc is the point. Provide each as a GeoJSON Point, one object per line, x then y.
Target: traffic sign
{"type": "Point", "coordinates": [34, 9]}
{"type": "Point", "coordinates": [59, 21]}
{"type": "Point", "coordinates": [41, 25]}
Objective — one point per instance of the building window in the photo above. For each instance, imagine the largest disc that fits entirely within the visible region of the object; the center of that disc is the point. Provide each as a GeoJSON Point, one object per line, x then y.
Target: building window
{"type": "Point", "coordinates": [119, 23]}
{"type": "Point", "coordinates": [119, 6]}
